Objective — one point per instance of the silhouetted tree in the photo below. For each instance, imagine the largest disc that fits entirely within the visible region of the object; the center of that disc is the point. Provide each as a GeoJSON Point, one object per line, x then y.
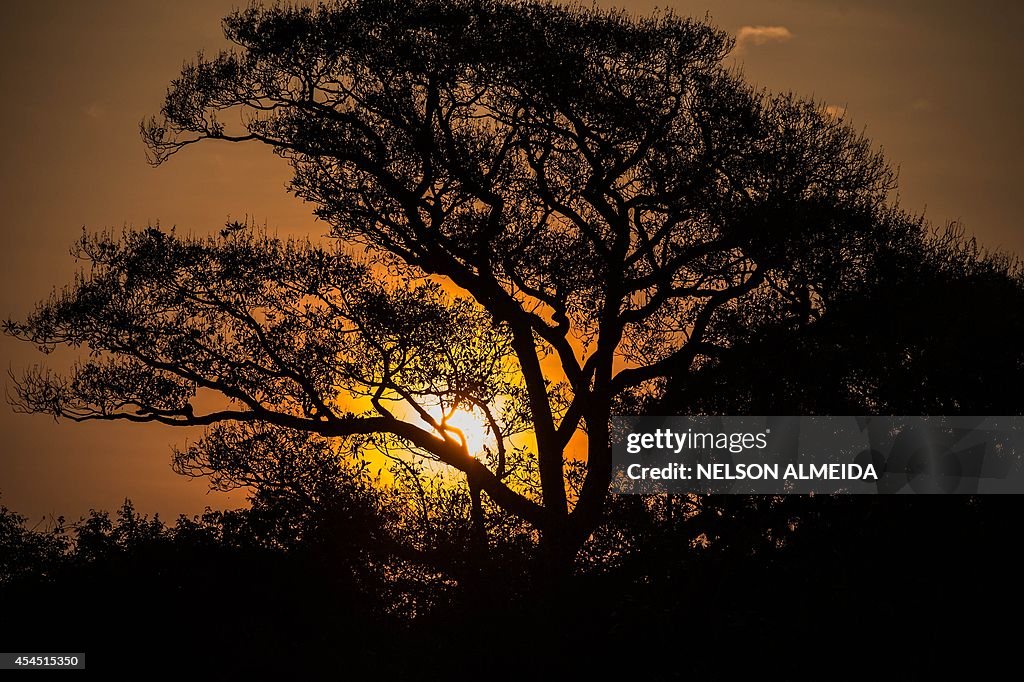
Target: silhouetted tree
{"type": "Point", "coordinates": [934, 327]}
{"type": "Point", "coordinates": [27, 552]}
{"type": "Point", "coordinates": [610, 197]}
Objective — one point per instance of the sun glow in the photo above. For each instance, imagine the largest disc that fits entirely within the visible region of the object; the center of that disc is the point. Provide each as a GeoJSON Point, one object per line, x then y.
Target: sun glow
{"type": "Point", "coordinates": [474, 429]}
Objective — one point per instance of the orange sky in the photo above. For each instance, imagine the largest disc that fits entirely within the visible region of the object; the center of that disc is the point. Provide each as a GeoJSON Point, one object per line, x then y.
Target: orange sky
{"type": "Point", "coordinates": [935, 83]}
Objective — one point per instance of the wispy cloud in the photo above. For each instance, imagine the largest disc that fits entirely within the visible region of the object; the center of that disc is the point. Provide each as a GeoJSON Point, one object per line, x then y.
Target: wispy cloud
{"type": "Point", "coordinates": [761, 35]}
{"type": "Point", "coordinates": [922, 104]}
{"type": "Point", "coordinates": [94, 110]}
{"type": "Point", "coordinates": [835, 111]}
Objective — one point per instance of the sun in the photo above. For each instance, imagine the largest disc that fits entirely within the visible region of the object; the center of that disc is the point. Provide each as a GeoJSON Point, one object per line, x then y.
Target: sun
{"type": "Point", "coordinates": [473, 428]}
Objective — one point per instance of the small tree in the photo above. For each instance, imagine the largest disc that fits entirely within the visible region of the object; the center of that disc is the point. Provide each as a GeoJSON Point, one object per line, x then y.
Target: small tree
{"type": "Point", "coordinates": [607, 197]}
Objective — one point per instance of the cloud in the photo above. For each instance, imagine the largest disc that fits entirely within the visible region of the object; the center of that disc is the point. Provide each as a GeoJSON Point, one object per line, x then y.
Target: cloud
{"type": "Point", "coordinates": [94, 110]}
{"type": "Point", "coordinates": [921, 104]}
{"type": "Point", "coordinates": [835, 111]}
{"type": "Point", "coordinates": [761, 35]}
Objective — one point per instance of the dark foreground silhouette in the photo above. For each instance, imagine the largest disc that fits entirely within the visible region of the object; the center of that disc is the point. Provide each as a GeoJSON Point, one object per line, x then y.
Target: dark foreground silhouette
{"type": "Point", "coordinates": [731, 583]}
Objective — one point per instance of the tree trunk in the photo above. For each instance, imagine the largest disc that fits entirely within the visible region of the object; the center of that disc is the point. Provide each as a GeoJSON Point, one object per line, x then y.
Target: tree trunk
{"type": "Point", "coordinates": [557, 558]}
{"type": "Point", "coordinates": [479, 528]}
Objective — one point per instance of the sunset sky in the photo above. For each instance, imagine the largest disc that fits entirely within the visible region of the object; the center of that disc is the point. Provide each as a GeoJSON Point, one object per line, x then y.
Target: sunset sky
{"type": "Point", "coordinates": [936, 84]}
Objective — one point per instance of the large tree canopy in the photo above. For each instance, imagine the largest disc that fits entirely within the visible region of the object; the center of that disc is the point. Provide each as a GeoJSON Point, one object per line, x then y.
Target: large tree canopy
{"type": "Point", "coordinates": [933, 328]}
{"type": "Point", "coordinates": [606, 194]}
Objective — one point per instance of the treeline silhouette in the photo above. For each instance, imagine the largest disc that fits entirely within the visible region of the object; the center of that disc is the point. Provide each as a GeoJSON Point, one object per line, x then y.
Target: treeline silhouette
{"type": "Point", "coordinates": [791, 580]}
